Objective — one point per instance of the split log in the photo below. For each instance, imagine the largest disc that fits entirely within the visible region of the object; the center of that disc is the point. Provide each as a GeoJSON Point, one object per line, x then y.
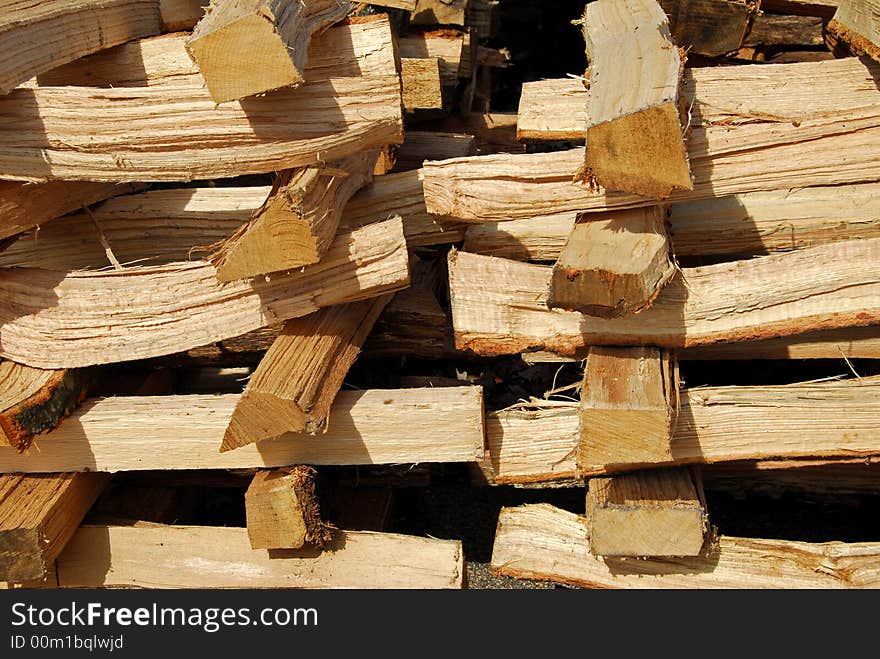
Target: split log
{"type": "Point", "coordinates": [547, 543]}
{"type": "Point", "coordinates": [451, 47]}
{"type": "Point", "coordinates": [181, 15]}
{"type": "Point", "coordinates": [183, 432]}
{"type": "Point", "coordinates": [785, 32]}
{"type": "Point", "coordinates": [36, 37]}
{"type": "Point", "coordinates": [33, 401]}
{"type": "Point", "coordinates": [856, 24]}
{"type": "Point", "coordinates": [296, 225]}
{"type": "Point", "coordinates": [246, 48]}
{"type": "Point", "coordinates": [709, 27]}
{"type": "Point", "coordinates": [634, 127]}
{"type": "Point", "coordinates": [295, 384]}
{"type": "Point", "coordinates": [613, 264]}
{"type": "Point", "coordinates": [440, 12]}
{"type": "Point", "coordinates": [553, 110]}
{"type": "Point", "coordinates": [221, 557]}
{"type": "Point", "coordinates": [651, 513]}
{"type": "Point", "coordinates": [283, 511]}
{"type": "Point", "coordinates": [825, 287]}
{"type": "Point", "coordinates": [494, 132]}
{"type": "Point", "coordinates": [176, 132]}
{"type": "Point", "coordinates": [420, 83]}
{"type": "Point", "coordinates": [38, 515]}
{"type": "Point", "coordinates": [421, 145]}
{"type": "Point", "coordinates": [49, 316]}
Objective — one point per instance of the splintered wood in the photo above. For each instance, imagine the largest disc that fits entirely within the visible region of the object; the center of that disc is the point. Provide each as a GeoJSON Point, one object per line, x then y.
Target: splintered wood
{"type": "Point", "coordinates": [856, 24]}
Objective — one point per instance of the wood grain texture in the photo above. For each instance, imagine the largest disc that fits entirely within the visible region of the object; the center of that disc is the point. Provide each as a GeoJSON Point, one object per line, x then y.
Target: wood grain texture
{"type": "Point", "coordinates": [420, 82]}
{"type": "Point", "coordinates": [553, 109]}
{"type": "Point", "coordinates": [857, 24]}
{"type": "Point", "coordinates": [183, 432]}
{"type": "Point", "coordinates": [451, 47]}
{"type": "Point", "coordinates": [212, 557]}
{"type": "Point", "coordinates": [543, 542]}
{"type": "Point", "coordinates": [708, 27]}
{"type": "Point", "coordinates": [789, 32]}
{"type": "Point", "coordinates": [283, 511]}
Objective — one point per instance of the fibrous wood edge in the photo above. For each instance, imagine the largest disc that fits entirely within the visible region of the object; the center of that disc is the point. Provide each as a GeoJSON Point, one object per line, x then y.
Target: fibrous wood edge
{"type": "Point", "coordinates": [824, 287]}
{"type": "Point", "coordinates": [48, 315]}
{"type": "Point", "coordinates": [212, 557]}
{"type": "Point", "coordinates": [542, 542]}
{"type": "Point", "coordinates": [38, 515]}
{"type": "Point", "coordinates": [183, 432]}
{"type": "Point", "coordinates": [420, 81]}
{"type": "Point", "coordinates": [646, 513]}
{"type": "Point", "coordinates": [244, 48]}
{"type": "Point", "coordinates": [34, 401]}
{"type": "Point", "coordinates": [709, 27]}
{"type": "Point", "coordinates": [856, 23]}
{"type": "Point", "coordinates": [297, 223]}
{"type": "Point", "coordinates": [293, 388]}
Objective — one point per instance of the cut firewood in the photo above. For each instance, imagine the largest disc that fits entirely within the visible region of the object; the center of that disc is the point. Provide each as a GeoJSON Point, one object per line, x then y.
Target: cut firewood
{"type": "Point", "coordinates": [297, 223]}
{"type": "Point", "coordinates": [709, 27]}
{"type": "Point", "coordinates": [181, 15]}
{"type": "Point", "coordinates": [634, 129]}
{"type": "Point", "coordinates": [33, 401]}
{"type": "Point", "coordinates": [788, 32]}
{"type": "Point", "coordinates": [613, 264]}
{"type": "Point", "coordinates": [451, 47]}
{"type": "Point", "coordinates": [295, 384]}
{"type": "Point", "coordinates": [542, 542]}
{"type": "Point", "coordinates": [421, 145]}
{"type": "Point", "coordinates": [176, 132]}
{"type": "Point", "coordinates": [49, 315]}
{"type": "Point", "coordinates": [36, 37]}
{"type": "Point", "coordinates": [553, 110]}
{"type": "Point", "coordinates": [649, 513]}
{"type": "Point", "coordinates": [283, 511]}
{"type": "Point", "coordinates": [159, 556]}
{"type": "Point", "coordinates": [494, 132]}
{"type": "Point", "coordinates": [421, 84]}
{"type": "Point", "coordinates": [408, 5]}
{"type": "Point", "coordinates": [440, 12]}
{"type": "Point", "coordinates": [244, 48]}
{"type": "Point", "coordinates": [824, 287]}
{"type": "Point", "coordinates": [856, 24]}
{"type": "Point", "coordinates": [183, 432]}
{"type": "Point", "coordinates": [38, 515]}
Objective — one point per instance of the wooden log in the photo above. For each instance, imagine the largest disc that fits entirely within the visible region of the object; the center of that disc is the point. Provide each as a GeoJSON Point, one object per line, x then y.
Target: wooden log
{"type": "Point", "coordinates": [494, 132]}
{"type": "Point", "coordinates": [38, 515]}
{"type": "Point", "coordinates": [821, 8]}
{"type": "Point", "coordinates": [613, 264]}
{"type": "Point", "coordinates": [420, 82]}
{"type": "Point", "coordinates": [183, 432]}
{"type": "Point", "coordinates": [542, 542]}
{"type": "Point", "coordinates": [856, 24]}
{"type": "Point", "coordinates": [633, 118]}
{"type": "Point", "coordinates": [49, 316]}
{"type": "Point", "coordinates": [825, 287]}
{"type": "Point", "coordinates": [440, 12]}
{"type": "Point", "coordinates": [296, 225]}
{"type": "Point", "coordinates": [421, 145]}
{"type": "Point", "coordinates": [38, 37]}
{"type": "Point", "coordinates": [482, 18]}
{"type": "Point", "coordinates": [709, 27]}
{"type": "Point", "coordinates": [221, 557]}
{"type": "Point", "coordinates": [451, 47]}
{"type": "Point", "coordinates": [789, 32]}
{"type": "Point", "coordinates": [408, 5]}
{"type": "Point", "coordinates": [34, 401]}
{"type": "Point", "coordinates": [651, 513]}
{"type": "Point", "coordinates": [176, 132]}
{"type": "Point", "coordinates": [283, 511]}
{"type": "Point", "coordinates": [295, 384]}
{"type": "Point", "coordinates": [554, 109]}
{"type": "Point", "coordinates": [181, 15]}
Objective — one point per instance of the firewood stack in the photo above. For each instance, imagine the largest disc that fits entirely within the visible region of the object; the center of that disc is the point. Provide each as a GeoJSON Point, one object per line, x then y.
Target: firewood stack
{"type": "Point", "coordinates": [290, 256]}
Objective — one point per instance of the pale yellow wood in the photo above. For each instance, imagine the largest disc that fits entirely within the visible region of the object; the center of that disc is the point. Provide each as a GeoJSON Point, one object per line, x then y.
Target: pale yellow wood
{"type": "Point", "coordinates": [857, 23]}
{"type": "Point", "coordinates": [451, 47]}
{"type": "Point", "coordinates": [421, 84]}
{"type": "Point", "coordinates": [183, 432]}
{"type": "Point", "coordinates": [647, 513]}
{"type": "Point", "coordinates": [179, 15]}
{"type": "Point", "coordinates": [547, 543]}
{"type": "Point", "coordinates": [824, 287]}
{"type": "Point", "coordinates": [247, 47]}
{"type": "Point", "coordinates": [554, 109]}
{"type": "Point", "coordinates": [212, 557]}
{"type": "Point", "coordinates": [409, 5]}
{"type": "Point", "coordinates": [283, 511]}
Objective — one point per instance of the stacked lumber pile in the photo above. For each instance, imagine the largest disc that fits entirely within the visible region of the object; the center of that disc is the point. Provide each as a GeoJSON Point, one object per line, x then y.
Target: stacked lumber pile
{"type": "Point", "coordinates": [272, 271]}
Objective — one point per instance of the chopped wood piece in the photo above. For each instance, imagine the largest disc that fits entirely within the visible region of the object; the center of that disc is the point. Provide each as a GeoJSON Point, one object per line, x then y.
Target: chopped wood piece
{"type": "Point", "coordinates": [856, 24]}
{"type": "Point", "coordinates": [247, 47]}
{"type": "Point", "coordinates": [440, 12]}
{"type": "Point", "coordinates": [296, 225]}
{"type": "Point", "coordinates": [613, 264]}
{"type": "Point", "coordinates": [295, 384]}
{"type": "Point", "coordinates": [709, 27]}
{"type": "Point", "coordinates": [38, 515]}
{"type": "Point", "coordinates": [283, 511]}
{"type": "Point", "coordinates": [49, 316]}
{"type": "Point", "coordinates": [533, 239]}
{"type": "Point", "coordinates": [553, 110]}
{"type": "Point", "coordinates": [421, 145]}
{"type": "Point", "coordinates": [825, 287]}
{"type": "Point", "coordinates": [451, 47]}
{"type": "Point", "coordinates": [183, 432]}
{"type": "Point", "coordinates": [634, 130]}
{"type": "Point", "coordinates": [33, 401]}
{"type": "Point", "coordinates": [542, 542]}
{"type": "Point", "coordinates": [648, 513]}
{"type": "Point", "coordinates": [421, 85]}
{"type": "Point", "coordinates": [789, 32]}
{"type": "Point", "coordinates": [36, 37]}
{"type": "Point", "coordinates": [181, 15]}
{"type": "Point", "coordinates": [159, 556]}
{"type": "Point", "coordinates": [494, 132]}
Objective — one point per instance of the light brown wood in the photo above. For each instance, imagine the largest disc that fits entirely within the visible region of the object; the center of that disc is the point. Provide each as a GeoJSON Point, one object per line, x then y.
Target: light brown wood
{"type": "Point", "coordinates": [547, 543]}
{"type": "Point", "coordinates": [247, 47]}
{"type": "Point", "coordinates": [296, 225]}
{"type": "Point", "coordinates": [420, 83]}
{"type": "Point", "coordinates": [857, 24]}
{"type": "Point", "coordinates": [554, 109]}
{"type": "Point", "coordinates": [451, 47]}
{"type": "Point", "coordinates": [49, 316]}
{"type": "Point", "coordinates": [709, 27]}
{"type": "Point", "coordinates": [181, 15]}
{"type": "Point", "coordinates": [613, 264]}
{"type": "Point", "coordinates": [283, 511]}
{"type": "Point", "coordinates": [177, 133]}
{"type": "Point", "coordinates": [825, 287]}
{"type": "Point", "coordinates": [440, 12]}
{"type": "Point", "coordinates": [494, 132]}
{"type": "Point", "coordinates": [408, 5]}
{"type": "Point", "coordinates": [421, 145]}
{"type": "Point", "coordinates": [213, 557]}
{"type": "Point", "coordinates": [34, 401]}
{"type": "Point", "coordinates": [790, 32]}
{"type": "Point", "coordinates": [634, 130]}
{"type": "Point", "coordinates": [38, 515]}
{"type": "Point", "coordinates": [648, 513]}
{"type": "Point", "coordinates": [36, 37]}
{"type": "Point", "coordinates": [183, 432]}
{"type": "Point", "coordinates": [293, 388]}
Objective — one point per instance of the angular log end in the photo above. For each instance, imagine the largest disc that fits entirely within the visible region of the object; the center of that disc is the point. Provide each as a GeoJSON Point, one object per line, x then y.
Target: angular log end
{"type": "Point", "coordinates": [260, 416]}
